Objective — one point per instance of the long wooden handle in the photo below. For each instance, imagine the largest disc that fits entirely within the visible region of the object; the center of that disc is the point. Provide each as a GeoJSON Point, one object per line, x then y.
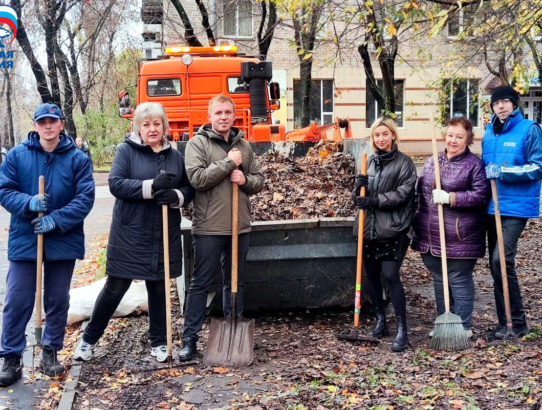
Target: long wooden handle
{"type": "Point", "coordinates": [502, 257]}
{"type": "Point", "coordinates": [165, 234]}
{"type": "Point", "coordinates": [441, 229]}
{"type": "Point", "coordinates": [359, 260]}
{"type": "Point", "coordinates": [39, 261]}
{"type": "Point", "coordinates": [234, 235]}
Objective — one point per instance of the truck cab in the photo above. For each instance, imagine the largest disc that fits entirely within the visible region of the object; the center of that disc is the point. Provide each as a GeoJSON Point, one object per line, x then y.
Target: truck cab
{"type": "Point", "coordinates": [186, 78]}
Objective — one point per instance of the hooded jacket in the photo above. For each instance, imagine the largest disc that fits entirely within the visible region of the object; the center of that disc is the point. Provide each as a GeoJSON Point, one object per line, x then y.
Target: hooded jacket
{"type": "Point", "coordinates": [392, 177]}
{"type": "Point", "coordinates": [517, 149]}
{"type": "Point", "coordinates": [135, 247]}
{"type": "Point", "coordinates": [464, 178]}
{"type": "Point", "coordinates": [70, 186]}
{"type": "Point", "coordinates": [209, 168]}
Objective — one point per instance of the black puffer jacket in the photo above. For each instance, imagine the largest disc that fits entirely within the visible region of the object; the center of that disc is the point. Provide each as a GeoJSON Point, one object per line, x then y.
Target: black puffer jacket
{"type": "Point", "coordinates": [135, 247]}
{"type": "Point", "coordinates": [392, 179]}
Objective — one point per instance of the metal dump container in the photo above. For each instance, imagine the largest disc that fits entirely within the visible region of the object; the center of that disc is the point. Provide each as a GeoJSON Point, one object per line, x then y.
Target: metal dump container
{"type": "Point", "coordinates": [293, 264]}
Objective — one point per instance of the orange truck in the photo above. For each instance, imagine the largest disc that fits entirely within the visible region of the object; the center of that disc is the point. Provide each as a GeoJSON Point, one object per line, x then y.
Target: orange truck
{"type": "Point", "coordinates": [186, 78]}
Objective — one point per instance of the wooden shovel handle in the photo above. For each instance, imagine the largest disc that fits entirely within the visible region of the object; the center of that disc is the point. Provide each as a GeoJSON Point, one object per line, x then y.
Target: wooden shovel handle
{"type": "Point", "coordinates": [39, 261]}
{"type": "Point", "coordinates": [359, 260]}
{"type": "Point", "coordinates": [165, 234]}
{"type": "Point", "coordinates": [234, 235]}
{"type": "Point", "coordinates": [502, 257]}
{"type": "Point", "coordinates": [441, 228]}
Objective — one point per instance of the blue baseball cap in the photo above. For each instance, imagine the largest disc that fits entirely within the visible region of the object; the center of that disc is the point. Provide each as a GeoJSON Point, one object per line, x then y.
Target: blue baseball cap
{"type": "Point", "coordinates": [47, 111]}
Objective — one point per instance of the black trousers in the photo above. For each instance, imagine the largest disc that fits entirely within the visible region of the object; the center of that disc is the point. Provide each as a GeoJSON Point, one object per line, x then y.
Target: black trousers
{"type": "Point", "coordinates": [109, 299]}
{"type": "Point", "coordinates": [212, 255]}
{"type": "Point", "coordinates": [511, 230]}
{"type": "Point", "coordinates": [382, 260]}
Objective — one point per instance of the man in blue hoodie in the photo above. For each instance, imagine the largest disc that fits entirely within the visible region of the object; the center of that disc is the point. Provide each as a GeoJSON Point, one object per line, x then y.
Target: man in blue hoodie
{"type": "Point", "coordinates": [512, 153]}
{"type": "Point", "coordinates": [69, 196]}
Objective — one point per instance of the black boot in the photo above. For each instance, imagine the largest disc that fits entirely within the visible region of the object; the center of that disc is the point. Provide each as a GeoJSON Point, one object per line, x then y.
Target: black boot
{"type": "Point", "coordinates": [401, 338]}
{"type": "Point", "coordinates": [12, 370]}
{"type": "Point", "coordinates": [49, 363]}
{"type": "Point", "coordinates": [381, 328]}
{"type": "Point", "coordinates": [188, 351]}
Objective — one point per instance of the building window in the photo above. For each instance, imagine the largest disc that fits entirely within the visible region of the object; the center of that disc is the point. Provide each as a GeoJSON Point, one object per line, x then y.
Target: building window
{"type": "Point", "coordinates": [321, 102]}
{"type": "Point", "coordinates": [373, 109]}
{"type": "Point", "coordinates": [462, 99]}
{"type": "Point", "coordinates": [460, 20]}
{"type": "Point", "coordinates": [237, 18]}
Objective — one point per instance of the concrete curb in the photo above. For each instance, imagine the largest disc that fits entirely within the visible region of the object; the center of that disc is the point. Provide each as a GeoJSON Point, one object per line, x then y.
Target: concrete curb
{"type": "Point", "coordinates": [70, 388]}
{"type": "Point", "coordinates": [68, 395]}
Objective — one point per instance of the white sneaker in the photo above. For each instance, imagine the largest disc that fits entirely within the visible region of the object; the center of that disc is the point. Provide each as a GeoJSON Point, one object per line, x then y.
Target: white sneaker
{"type": "Point", "coordinates": [431, 333]}
{"type": "Point", "coordinates": [160, 353]}
{"type": "Point", "coordinates": [84, 351]}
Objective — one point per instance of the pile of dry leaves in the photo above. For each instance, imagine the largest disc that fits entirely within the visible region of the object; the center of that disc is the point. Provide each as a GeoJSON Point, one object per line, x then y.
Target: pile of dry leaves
{"type": "Point", "coordinates": [317, 185]}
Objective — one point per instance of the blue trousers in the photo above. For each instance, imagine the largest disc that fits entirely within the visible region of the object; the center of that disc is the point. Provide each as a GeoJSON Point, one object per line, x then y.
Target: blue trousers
{"type": "Point", "coordinates": [212, 254]}
{"type": "Point", "coordinates": [20, 299]}
{"type": "Point", "coordinates": [460, 285]}
{"type": "Point", "coordinates": [511, 231]}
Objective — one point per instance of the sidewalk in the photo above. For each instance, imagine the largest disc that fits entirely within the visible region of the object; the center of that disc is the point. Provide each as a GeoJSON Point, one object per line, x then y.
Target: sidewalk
{"type": "Point", "coordinates": [25, 393]}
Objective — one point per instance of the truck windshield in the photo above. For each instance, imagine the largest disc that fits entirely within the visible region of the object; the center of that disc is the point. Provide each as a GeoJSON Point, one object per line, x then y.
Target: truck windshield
{"type": "Point", "coordinates": [164, 86]}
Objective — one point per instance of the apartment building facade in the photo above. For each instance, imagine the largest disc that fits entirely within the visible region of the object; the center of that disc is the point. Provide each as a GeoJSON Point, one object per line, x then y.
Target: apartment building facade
{"type": "Point", "coordinates": [432, 82]}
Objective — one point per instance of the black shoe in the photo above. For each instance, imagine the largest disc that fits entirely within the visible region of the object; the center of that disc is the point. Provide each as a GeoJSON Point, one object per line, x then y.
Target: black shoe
{"type": "Point", "coordinates": [188, 350]}
{"type": "Point", "coordinates": [12, 370]}
{"type": "Point", "coordinates": [401, 338]}
{"type": "Point", "coordinates": [517, 330]}
{"type": "Point", "coordinates": [49, 363]}
{"type": "Point", "coordinates": [381, 328]}
{"type": "Point", "coordinates": [500, 329]}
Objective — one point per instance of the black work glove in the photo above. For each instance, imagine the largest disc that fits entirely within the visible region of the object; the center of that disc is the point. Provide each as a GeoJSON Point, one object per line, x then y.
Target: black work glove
{"type": "Point", "coordinates": [361, 181]}
{"type": "Point", "coordinates": [365, 202]}
{"type": "Point", "coordinates": [166, 197]}
{"type": "Point", "coordinates": [165, 180]}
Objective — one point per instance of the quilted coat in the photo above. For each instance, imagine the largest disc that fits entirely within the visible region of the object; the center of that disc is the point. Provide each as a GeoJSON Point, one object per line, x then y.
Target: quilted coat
{"type": "Point", "coordinates": [464, 178]}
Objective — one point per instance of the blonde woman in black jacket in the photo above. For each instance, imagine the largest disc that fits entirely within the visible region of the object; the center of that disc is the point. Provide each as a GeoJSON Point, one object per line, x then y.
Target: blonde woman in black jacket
{"type": "Point", "coordinates": [389, 208]}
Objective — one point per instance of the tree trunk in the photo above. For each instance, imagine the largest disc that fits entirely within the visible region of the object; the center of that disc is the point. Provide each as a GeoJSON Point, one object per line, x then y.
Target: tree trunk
{"type": "Point", "coordinates": [9, 110]}
{"type": "Point", "coordinates": [305, 89]}
{"type": "Point", "coordinates": [266, 31]}
{"type": "Point", "coordinates": [69, 102]}
{"type": "Point", "coordinates": [205, 23]}
{"type": "Point", "coordinates": [50, 35]}
{"type": "Point", "coordinates": [369, 73]}
{"type": "Point", "coordinates": [37, 70]}
{"type": "Point", "coordinates": [189, 34]}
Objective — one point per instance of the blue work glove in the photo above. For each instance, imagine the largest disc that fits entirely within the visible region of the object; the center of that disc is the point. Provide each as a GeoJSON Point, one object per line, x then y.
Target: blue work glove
{"type": "Point", "coordinates": [38, 203]}
{"type": "Point", "coordinates": [493, 171]}
{"type": "Point", "coordinates": [166, 197]}
{"type": "Point", "coordinates": [364, 202]}
{"type": "Point", "coordinates": [43, 224]}
{"type": "Point", "coordinates": [165, 180]}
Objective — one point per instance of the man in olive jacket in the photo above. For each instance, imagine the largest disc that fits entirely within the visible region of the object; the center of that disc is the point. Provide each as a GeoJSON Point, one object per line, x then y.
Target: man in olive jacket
{"type": "Point", "coordinates": [215, 158]}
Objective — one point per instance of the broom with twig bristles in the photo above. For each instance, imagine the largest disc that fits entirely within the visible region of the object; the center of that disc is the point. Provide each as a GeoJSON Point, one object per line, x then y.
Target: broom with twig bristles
{"type": "Point", "coordinates": [449, 333]}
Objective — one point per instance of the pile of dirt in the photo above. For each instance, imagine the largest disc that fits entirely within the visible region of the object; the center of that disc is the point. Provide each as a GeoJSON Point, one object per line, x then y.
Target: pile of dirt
{"type": "Point", "coordinates": [317, 185]}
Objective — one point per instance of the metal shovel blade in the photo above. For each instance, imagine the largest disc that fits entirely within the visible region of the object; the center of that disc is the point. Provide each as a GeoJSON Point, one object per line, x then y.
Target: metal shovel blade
{"type": "Point", "coordinates": [230, 342]}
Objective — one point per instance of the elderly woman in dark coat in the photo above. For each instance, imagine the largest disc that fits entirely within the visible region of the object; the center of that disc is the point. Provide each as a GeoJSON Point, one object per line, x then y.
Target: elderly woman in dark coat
{"type": "Point", "coordinates": [389, 207]}
{"type": "Point", "coordinates": [146, 173]}
{"type": "Point", "coordinates": [464, 195]}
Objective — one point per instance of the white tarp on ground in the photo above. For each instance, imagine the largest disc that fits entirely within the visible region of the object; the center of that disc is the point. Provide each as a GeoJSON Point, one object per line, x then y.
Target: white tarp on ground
{"type": "Point", "coordinates": [82, 300]}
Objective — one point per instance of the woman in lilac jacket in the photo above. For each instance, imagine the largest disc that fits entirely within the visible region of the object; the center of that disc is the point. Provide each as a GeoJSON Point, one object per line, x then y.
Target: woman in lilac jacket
{"type": "Point", "coordinates": [464, 195]}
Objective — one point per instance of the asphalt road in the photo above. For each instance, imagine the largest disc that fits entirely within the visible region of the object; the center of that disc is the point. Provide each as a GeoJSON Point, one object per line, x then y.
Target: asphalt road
{"type": "Point", "coordinates": [23, 394]}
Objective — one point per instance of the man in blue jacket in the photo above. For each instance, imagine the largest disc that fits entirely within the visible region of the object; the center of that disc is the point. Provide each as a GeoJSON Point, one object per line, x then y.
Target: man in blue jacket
{"type": "Point", "coordinates": [512, 153]}
{"type": "Point", "coordinates": [69, 196]}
